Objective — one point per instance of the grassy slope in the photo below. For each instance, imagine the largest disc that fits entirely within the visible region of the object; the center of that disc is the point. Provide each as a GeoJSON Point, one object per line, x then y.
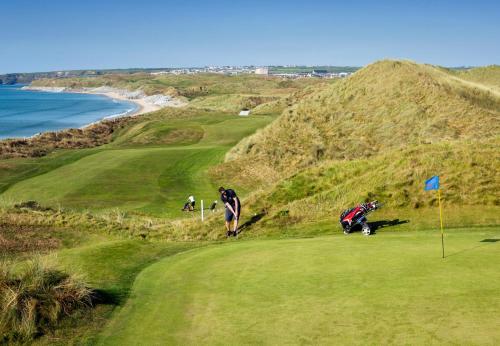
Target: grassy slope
{"type": "Point", "coordinates": [151, 167]}
{"type": "Point", "coordinates": [186, 85]}
{"type": "Point", "coordinates": [393, 288]}
{"type": "Point", "coordinates": [15, 170]}
{"type": "Point", "coordinates": [386, 105]}
{"type": "Point", "coordinates": [488, 75]}
{"type": "Point", "coordinates": [110, 267]}
{"type": "Point", "coordinates": [376, 135]}
{"type": "Point", "coordinates": [211, 91]}
{"type": "Point", "coordinates": [468, 178]}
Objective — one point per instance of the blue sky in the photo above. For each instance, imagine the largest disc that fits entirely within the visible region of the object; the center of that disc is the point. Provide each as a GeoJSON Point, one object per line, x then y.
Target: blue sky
{"type": "Point", "coordinates": [48, 35]}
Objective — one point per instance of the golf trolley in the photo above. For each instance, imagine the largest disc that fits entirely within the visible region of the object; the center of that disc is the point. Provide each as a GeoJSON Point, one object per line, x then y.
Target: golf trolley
{"type": "Point", "coordinates": [356, 217]}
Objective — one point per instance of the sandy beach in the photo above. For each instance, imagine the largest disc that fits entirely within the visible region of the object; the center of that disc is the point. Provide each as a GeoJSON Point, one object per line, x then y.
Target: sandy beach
{"type": "Point", "coordinates": [142, 106]}
{"type": "Point", "coordinates": [144, 103]}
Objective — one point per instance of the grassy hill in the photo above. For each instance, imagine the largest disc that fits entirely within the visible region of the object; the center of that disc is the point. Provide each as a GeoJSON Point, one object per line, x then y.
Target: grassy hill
{"type": "Point", "coordinates": [211, 91]}
{"type": "Point", "coordinates": [386, 105]}
{"type": "Point", "coordinates": [487, 75]}
{"type": "Point", "coordinates": [190, 86]}
{"type": "Point", "coordinates": [376, 135]}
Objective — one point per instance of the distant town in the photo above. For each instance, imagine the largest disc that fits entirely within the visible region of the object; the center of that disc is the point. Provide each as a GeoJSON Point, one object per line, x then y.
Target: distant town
{"type": "Point", "coordinates": [289, 71]}
{"type": "Point", "coordinates": [284, 71]}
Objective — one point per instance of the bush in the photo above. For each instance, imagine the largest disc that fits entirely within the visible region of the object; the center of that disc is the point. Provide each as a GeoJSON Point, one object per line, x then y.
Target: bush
{"type": "Point", "coordinates": [33, 205]}
{"type": "Point", "coordinates": [33, 300]}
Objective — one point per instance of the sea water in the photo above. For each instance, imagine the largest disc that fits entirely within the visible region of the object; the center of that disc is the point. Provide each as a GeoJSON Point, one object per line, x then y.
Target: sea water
{"type": "Point", "coordinates": [24, 113]}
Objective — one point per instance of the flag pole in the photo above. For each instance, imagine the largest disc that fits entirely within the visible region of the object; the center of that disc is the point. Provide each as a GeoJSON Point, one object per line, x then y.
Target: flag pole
{"type": "Point", "coordinates": [202, 210]}
{"type": "Point", "coordinates": [441, 219]}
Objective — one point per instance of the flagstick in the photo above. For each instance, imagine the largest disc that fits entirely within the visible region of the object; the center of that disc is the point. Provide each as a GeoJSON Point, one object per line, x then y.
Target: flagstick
{"type": "Point", "coordinates": [202, 216]}
{"type": "Point", "coordinates": [441, 220]}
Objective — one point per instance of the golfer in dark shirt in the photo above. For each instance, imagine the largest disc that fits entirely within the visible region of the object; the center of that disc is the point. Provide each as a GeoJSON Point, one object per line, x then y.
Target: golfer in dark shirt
{"type": "Point", "coordinates": [233, 208]}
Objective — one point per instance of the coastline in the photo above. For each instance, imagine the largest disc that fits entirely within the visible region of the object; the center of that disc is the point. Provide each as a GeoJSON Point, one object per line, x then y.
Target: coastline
{"type": "Point", "coordinates": [140, 103]}
{"type": "Point", "coordinates": [141, 106]}
{"type": "Point", "coordinates": [143, 103]}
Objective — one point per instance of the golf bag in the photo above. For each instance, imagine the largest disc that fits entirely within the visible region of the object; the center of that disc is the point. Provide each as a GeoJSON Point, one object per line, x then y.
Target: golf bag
{"type": "Point", "coordinates": [356, 217]}
{"type": "Point", "coordinates": [213, 206]}
{"type": "Point", "coordinates": [188, 206]}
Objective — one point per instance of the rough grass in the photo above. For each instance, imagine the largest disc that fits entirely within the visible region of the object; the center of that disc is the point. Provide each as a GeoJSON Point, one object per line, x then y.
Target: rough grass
{"type": "Point", "coordinates": [189, 86]}
{"type": "Point", "coordinates": [232, 102]}
{"type": "Point", "coordinates": [111, 268]}
{"type": "Point", "coordinates": [376, 135]}
{"type": "Point", "coordinates": [89, 137]}
{"type": "Point", "coordinates": [35, 299]}
{"type": "Point", "coordinates": [396, 182]}
{"type": "Point", "coordinates": [488, 75]}
{"type": "Point", "coordinates": [387, 105]}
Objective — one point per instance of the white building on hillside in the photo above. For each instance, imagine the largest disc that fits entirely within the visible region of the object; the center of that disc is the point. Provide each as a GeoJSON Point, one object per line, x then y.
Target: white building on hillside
{"type": "Point", "coordinates": [262, 70]}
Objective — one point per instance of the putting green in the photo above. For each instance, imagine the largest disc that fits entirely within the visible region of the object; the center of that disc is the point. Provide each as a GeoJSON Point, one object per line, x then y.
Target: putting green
{"type": "Point", "coordinates": [390, 288]}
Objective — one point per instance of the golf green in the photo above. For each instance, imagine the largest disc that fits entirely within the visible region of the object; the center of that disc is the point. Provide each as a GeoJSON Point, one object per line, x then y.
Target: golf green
{"type": "Point", "coordinates": [390, 288]}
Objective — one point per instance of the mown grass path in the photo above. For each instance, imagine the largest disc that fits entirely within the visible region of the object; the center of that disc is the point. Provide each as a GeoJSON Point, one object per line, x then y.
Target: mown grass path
{"type": "Point", "coordinates": [390, 288]}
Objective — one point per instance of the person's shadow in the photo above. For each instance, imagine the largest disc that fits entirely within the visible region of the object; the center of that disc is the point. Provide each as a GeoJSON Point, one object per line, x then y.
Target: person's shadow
{"type": "Point", "coordinates": [375, 225]}
{"type": "Point", "coordinates": [250, 222]}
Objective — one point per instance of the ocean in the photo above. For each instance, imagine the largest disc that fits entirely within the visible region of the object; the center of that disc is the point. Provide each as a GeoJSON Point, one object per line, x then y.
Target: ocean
{"type": "Point", "coordinates": [24, 113]}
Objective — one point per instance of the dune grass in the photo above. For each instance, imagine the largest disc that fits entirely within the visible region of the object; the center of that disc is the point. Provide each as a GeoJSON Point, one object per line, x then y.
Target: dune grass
{"type": "Point", "coordinates": [188, 86]}
{"type": "Point", "coordinates": [312, 194]}
{"type": "Point", "coordinates": [488, 75]}
{"type": "Point", "coordinates": [36, 297]}
{"type": "Point", "coordinates": [393, 288]}
{"type": "Point", "coordinates": [375, 135]}
{"type": "Point", "coordinates": [384, 106]}
{"type": "Point", "coordinates": [109, 268]}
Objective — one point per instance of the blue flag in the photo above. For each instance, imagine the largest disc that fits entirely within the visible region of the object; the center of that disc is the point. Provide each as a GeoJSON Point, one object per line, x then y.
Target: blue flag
{"type": "Point", "coordinates": [432, 183]}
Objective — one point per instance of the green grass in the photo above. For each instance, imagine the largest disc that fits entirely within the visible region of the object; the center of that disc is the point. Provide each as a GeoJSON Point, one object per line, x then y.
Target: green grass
{"type": "Point", "coordinates": [308, 69]}
{"type": "Point", "coordinates": [113, 265]}
{"type": "Point", "coordinates": [110, 267]}
{"type": "Point", "coordinates": [15, 170]}
{"type": "Point", "coordinates": [36, 297]}
{"type": "Point", "coordinates": [392, 288]}
{"type": "Point", "coordinates": [150, 168]}
{"type": "Point", "coordinates": [377, 134]}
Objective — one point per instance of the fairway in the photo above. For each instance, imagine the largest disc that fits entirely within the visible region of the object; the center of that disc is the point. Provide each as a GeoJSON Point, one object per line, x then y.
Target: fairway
{"type": "Point", "coordinates": [390, 288]}
{"type": "Point", "coordinates": [134, 175]}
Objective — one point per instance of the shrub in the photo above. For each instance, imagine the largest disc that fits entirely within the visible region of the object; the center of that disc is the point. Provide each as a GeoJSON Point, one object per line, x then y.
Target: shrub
{"type": "Point", "coordinates": [33, 205]}
{"type": "Point", "coordinates": [35, 298]}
